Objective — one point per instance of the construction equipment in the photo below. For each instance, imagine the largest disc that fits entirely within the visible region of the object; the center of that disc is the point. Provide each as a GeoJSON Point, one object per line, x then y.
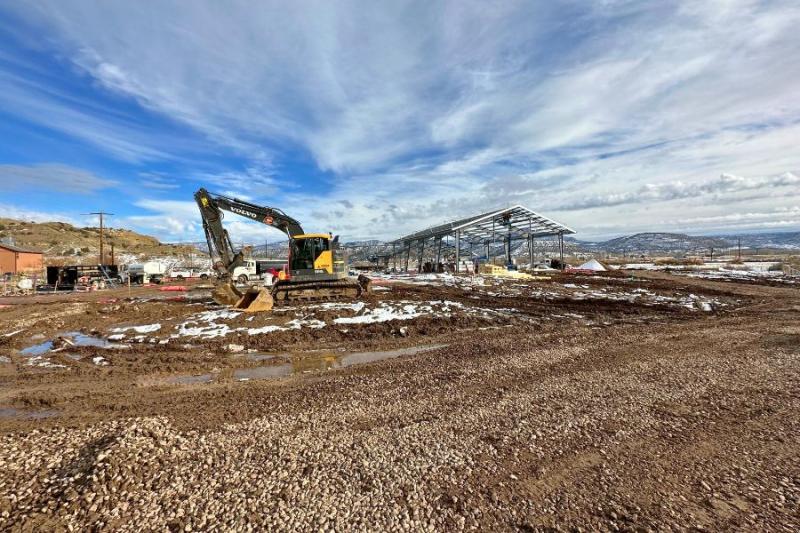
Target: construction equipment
{"type": "Point", "coordinates": [313, 270]}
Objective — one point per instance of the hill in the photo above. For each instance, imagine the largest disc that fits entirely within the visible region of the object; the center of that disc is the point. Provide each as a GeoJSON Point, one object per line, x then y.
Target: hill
{"type": "Point", "coordinates": [663, 242]}
{"type": "Point", "coordinates": [777, 240]}
{"type": "Point", "coordinates": [59, 239]}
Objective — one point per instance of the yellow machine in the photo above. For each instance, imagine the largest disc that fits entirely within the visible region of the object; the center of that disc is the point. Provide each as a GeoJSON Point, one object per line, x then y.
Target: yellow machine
{"type": "Point", "coordinates": [313, 270]}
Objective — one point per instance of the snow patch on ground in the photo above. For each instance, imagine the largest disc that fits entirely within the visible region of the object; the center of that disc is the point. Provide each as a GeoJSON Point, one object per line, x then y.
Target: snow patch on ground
{"type": "Point", "coordinates": [193, 326]}
{"type": "Point", "coordinates": [340, 306]}
{"type": "Point", "coordinates": [406, 310]}
{"type": "Point", "coordinates": [148, 328]}
{"type": "Point", "coordinates": [292, 324]}
{"type": "Point", "coordinates": [384, 312]}
{"type": "Point", "coordinates": [43, 362]}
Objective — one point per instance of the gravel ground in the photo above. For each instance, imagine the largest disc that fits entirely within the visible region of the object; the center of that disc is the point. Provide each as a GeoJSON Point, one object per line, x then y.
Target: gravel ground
{"type": "Point", "coordinates": [638, 415]}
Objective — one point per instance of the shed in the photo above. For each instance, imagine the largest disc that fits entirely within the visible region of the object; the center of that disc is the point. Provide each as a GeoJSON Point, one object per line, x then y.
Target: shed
{"type": "Point", "coordinates": [17, 260]}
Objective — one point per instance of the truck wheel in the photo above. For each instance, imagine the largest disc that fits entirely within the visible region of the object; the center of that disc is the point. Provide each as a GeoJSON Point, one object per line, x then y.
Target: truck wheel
{"type": "Point", "coordinates": [179, 276]}
{"type": "Point", "coordinates": [203, 276]}
{"type": "Point", "coordinates": [242, 278]}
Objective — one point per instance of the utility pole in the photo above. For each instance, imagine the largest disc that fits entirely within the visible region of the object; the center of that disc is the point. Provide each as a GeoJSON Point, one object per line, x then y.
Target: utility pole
{"type": "Point", "coordinates": [101, 214]}
{"type": "Point", "coordinates": [740, 249]}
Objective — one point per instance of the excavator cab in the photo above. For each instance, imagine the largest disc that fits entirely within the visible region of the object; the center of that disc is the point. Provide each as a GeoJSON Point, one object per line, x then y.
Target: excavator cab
{"type": "Point", "coordinates": [312, 257]}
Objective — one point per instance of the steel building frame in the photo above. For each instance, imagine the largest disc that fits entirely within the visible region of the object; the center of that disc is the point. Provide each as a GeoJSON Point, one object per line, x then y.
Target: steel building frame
{"type": "Point", "coordinates": [506, 225]}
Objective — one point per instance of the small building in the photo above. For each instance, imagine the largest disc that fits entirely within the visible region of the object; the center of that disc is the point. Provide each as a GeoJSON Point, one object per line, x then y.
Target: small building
{"type": "Point", "coordinates": [15, 260]}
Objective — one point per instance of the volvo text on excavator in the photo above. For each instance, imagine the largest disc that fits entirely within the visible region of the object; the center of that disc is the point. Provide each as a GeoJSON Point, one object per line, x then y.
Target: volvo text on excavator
{"type": "Point", "coordinates": [313, 271]}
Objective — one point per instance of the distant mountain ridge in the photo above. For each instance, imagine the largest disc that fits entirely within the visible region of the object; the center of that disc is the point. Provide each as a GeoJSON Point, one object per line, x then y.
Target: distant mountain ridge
{"type": "Point", "coordinates": [678, 242]}
{"type": "Point", "coordinates": [662, 242]}
{"type": "Point", "coordinates": [789, 240]}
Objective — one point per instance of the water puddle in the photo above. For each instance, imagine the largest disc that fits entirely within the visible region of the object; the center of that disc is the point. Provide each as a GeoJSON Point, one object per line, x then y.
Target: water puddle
{"type": "Point", "coordinates": [72, 338]}
{"type": "Point", "coordinates": [189, 380]}
{"type": "Point", "coordinates": [38, 349]}
{"type": "Point", "coordinates": [301, 363]}
{"type": "Point", "coordinates": [79, 339]}
{"type": "Point", "coordinates": [266, 356]}
{"type": "Point", "coordinates": [324, 361]}
{"type": "Point", "coordinates": [262, 372]}
{"type": "Point", "coordinates": [371, 357]}
{"type": "Point", "coordinates": [13, 412]}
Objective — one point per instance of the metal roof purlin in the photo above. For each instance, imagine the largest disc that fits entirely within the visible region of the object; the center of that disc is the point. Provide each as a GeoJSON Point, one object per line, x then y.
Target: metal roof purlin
{"type": "Point", "coordinates": [521, 221]}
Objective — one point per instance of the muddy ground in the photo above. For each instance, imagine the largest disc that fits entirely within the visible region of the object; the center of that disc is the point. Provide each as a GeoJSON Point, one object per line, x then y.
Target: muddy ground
{"type": "Point", "coordinates": [626, 401]}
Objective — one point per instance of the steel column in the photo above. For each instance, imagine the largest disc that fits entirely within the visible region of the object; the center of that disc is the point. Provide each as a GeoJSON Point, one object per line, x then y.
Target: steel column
{"type": "Point", "coordinates": [458, 249]}
{"type": "Point", "coordinates": [530, 250]}
{"type": "Point", "coordinates": [508, 247]}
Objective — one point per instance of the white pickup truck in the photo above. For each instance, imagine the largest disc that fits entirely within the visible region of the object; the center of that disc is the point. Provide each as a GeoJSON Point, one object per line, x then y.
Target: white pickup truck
{"type": "Point", "coordinates": [189, 273]}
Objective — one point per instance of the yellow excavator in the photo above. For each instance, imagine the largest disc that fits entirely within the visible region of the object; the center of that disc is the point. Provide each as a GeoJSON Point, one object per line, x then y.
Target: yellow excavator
{"type": "Point", "coordinates": [313, 270]}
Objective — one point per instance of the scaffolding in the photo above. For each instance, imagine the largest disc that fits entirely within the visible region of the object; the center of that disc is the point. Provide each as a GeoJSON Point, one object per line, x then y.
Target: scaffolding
{"type": "Point", "coordinates": [509, 225]}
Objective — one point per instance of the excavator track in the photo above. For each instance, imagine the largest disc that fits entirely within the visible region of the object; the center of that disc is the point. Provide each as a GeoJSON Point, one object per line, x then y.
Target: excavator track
{"type": "Point", "coordinates": [310, 291]}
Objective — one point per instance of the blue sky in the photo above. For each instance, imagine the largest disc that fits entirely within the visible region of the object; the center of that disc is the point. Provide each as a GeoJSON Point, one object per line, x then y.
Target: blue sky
{"type": "Point", "coordinates": [375, 119]}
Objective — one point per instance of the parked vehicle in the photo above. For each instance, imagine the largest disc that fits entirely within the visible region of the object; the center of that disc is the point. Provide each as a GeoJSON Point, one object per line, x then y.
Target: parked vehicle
{"type": "Point", "coordinates": [189, 273]}
{"type": "Point", "coordinates": [148, 272]}
{"type": "Point", "coordinates": [253, 269]}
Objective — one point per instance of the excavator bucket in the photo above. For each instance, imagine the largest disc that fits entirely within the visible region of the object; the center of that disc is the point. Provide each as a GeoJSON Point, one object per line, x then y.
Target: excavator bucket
{"type": "Point", "coordinates": [255, 300]}
{"type": "Point", "coordinates": [226, 294]}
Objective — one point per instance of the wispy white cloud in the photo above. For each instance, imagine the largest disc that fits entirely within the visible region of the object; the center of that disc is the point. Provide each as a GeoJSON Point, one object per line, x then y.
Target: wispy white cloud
{"type": "Point", "coordinates": [423, 111]}
{"type": "Point", "coordinates": [53, 177]}
{"type": "Point", "coordinates": [726, 184]}
{"type": "Point", "coordinates": [32, 215]}
{"type": "Point", "coordinates": [180, 221]}
{"type": "Point", "coordinates": [158, 181]}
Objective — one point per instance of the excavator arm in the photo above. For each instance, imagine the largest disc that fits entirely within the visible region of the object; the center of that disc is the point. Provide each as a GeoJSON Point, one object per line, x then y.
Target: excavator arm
{"type": "Point", "coordinates": [223, 256]}
{"type": "Point", "coordinates": [220, 248]}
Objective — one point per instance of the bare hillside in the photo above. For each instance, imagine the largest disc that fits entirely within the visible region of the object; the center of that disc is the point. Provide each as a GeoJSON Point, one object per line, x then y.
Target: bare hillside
{"type": "Point", "coordinates": [59, 239]}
